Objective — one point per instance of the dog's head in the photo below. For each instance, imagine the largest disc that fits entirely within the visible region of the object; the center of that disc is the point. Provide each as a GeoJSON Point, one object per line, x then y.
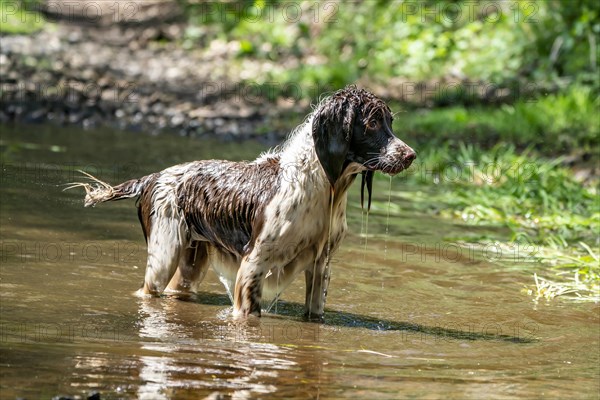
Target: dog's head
{"type": "Point", "coordinates": [353, 127]}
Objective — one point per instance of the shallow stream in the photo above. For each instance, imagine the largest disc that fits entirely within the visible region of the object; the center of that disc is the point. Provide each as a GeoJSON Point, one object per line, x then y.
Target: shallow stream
{"type": "Point", "coordinates": [409, 315]}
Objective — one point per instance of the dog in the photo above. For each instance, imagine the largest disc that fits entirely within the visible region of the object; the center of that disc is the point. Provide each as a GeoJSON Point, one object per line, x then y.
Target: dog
{"type": "Point", "coordinates": [261, 223]}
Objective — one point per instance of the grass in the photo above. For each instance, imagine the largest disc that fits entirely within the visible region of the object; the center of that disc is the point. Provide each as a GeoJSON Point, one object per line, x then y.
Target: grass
{"type": "Point", "coordinates": [537, 199]}
{"type": "Point", "coordinates": [561, 123]}
{"type": "Point", "coordinates": [19, 17]}
{"type": "Point", "coordinates": [576, 275]}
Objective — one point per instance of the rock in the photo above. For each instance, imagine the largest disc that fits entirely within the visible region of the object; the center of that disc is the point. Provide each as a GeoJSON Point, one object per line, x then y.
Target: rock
{"type": "Point", "coordinates": [158, 108]}
{"type": "Point", "coordinates": [177, 120]}
{"type": "Point", "coordinates": [93, 396]}
{"type": "Point", "coordinates": [36, 116]}
{"type": "Point", "coordinates": [74, 117]}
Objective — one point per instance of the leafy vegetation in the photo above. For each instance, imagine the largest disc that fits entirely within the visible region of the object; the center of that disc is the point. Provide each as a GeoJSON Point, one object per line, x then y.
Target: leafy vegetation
{"type": "Point", "coordinates": [20, 17]}
{"type": "Point", "coordinates": [557, 124]}
{"type": "Point", "coordinates": [553, 43]}
{"type": "Point", "coordinates": [577, 275]}
{"type": "Point", "coordinates": [538, 200]}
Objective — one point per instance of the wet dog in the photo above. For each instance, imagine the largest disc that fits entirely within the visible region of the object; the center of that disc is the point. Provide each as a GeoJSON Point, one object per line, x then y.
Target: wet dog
{"type": "Point", "coordinates": [260, 223]}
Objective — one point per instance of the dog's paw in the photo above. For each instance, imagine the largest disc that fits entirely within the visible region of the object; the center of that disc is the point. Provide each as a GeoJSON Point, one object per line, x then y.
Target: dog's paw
{"type": "Point", "coordinates": [312, 317]}
{"type": "Point", "coordinates": [143, 293]}
{"type": "Point", "coordinates": [244, 313]}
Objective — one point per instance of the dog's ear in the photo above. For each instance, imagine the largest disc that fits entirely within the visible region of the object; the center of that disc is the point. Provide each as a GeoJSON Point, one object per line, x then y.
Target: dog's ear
{"type": "Point", "coordinates": [331, 132]}
{"type": "Point", "coordinates": [367, 178]}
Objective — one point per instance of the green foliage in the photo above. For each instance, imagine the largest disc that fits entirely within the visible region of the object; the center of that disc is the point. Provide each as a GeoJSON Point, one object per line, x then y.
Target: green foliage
{"type": "Point", "coordinates": [564, 42]}
{"type": "Point", "coordinates": [538, 200]}
{"type": "Point", "coordinates": [551, 42]}
{"type": "Point", "coordinates": [20, 17]}
{"type": "Point", "coordinates": [554, 124]}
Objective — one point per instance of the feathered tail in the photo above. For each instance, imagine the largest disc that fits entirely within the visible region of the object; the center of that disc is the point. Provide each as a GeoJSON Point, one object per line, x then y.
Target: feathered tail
{"type": "Point", "coordinates": [98, 191]}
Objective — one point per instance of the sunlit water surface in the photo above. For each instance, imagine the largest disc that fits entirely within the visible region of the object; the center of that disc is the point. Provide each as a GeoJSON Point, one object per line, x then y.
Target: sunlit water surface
{"type": "Point", "coordinates": [409, 315]}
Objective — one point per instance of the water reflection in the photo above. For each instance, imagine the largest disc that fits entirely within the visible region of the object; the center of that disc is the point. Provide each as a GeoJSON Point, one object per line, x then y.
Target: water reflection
{"type": "Point", "coordinates": [154, 370]}
{"type": "Point", "coordinates": [221, 355]}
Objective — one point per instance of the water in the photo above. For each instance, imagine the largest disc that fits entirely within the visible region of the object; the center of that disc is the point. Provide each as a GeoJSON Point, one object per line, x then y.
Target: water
{"type": "Point", "coordinates": [419, 318]}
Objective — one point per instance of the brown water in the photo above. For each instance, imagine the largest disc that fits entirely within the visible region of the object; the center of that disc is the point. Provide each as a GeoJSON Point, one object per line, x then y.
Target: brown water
{"type": "Point", "coordinates": [413, 316]}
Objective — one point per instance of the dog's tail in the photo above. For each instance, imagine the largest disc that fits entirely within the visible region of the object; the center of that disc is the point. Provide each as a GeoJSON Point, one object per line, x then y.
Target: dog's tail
{"type": "Point", "coordinates": [98, 191]}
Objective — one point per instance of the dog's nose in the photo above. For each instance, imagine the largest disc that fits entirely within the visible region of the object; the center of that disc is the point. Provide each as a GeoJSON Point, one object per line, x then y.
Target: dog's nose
{"type": "Point", "coordinates": [410, 156]}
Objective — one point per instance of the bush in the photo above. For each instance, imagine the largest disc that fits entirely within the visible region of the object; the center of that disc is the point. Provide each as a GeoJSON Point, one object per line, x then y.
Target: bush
{"type": "Point", "coordinates": [332, 44]}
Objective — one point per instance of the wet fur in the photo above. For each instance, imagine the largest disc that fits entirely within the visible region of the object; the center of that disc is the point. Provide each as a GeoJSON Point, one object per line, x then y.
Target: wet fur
{"type": "Point", "coordinates": [259, 224]}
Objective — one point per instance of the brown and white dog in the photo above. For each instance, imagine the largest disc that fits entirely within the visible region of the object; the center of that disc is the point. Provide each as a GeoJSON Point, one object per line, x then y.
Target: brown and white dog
{"type": "Point", "coordinates": [260, 223]}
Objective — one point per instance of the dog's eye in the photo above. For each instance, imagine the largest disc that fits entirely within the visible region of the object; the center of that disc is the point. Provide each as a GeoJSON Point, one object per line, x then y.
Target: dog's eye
{"type": "Point", "coordinates": [373, 125]}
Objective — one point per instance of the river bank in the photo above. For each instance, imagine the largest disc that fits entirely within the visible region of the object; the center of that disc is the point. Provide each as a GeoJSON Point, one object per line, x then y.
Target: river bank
{"type": "Point", "coordinates": [135, 76]}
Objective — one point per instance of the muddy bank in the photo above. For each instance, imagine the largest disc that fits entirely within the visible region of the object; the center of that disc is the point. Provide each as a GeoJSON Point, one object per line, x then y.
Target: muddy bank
{"type": "Point", "coordinates": [131, 65]}
{"type": "Point", "coordinates": [135, 75]}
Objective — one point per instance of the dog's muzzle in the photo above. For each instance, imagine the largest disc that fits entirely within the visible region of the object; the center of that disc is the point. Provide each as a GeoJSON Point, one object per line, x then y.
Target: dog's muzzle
{"type": "Point", "coordinates": [396, 157]}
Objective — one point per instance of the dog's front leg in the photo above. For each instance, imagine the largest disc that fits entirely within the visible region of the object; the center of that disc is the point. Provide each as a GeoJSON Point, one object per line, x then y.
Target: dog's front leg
{"type": "Point", "coordinates": [248, 286]}
{"type": "Point", "coordinates": [317, 281]}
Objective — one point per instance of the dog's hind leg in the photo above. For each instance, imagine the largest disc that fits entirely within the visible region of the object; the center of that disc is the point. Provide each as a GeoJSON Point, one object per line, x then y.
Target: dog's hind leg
{"type": "Point", "coordinates": [192, 269]}
{"type": "Point", "coordinates": [167, 243]}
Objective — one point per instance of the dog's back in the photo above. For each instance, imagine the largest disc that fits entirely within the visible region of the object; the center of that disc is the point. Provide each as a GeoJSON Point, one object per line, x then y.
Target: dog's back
{"type": "Point", "coordinates": [222, 201]}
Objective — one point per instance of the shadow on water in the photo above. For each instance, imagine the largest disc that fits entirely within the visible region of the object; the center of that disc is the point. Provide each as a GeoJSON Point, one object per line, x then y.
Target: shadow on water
{"type": "Point", "coordinates": [350, 320]}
